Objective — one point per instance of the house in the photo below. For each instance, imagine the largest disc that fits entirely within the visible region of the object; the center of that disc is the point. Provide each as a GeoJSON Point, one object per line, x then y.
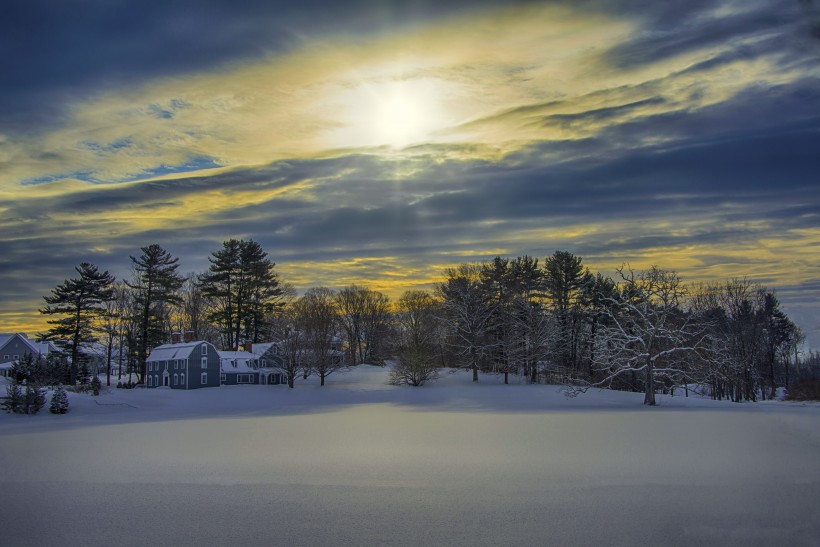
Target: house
{"type": "Point", "coordinates": [190, 365]}
{"type": "Point", "coordinates": [14, 346]}
{"type": "Point", "coordinates": [238, 367]}
{"type": "Point", "coordinates": [260, 365]}
{"type": "Point", "coordinates": [270, 359]}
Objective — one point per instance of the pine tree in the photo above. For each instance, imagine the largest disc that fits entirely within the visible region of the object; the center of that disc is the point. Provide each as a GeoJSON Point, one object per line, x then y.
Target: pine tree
{"type": "Point", "coordinates": [34, 399]}
{"type": "Point", "coordinates": [14, 398]}
{"type": "Point", "coordinates": [565, 279]}
{"type": "Point", "coordinates": [59, 401]}
{"type": "Point", "coordinates": [156, 282]}
{"type": "Point", "coordinates": [242, 282]}
{"type": "Point", "coordinates": [80, 302]}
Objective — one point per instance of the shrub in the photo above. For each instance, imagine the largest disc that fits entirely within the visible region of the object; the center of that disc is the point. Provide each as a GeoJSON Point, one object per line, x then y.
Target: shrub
{"type": "Point", "coordinates": [59, 401]}
{"type": "Point", "coordinates": [804, 390]}
{"type": "Point", "coordinates": [35, 399]}
{"type": "Point", "coordinates": [14, 398]}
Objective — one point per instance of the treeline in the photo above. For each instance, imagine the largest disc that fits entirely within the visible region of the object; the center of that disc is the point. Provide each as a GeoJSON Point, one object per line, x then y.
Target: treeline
{"type": "Point", "coordinates": [551, 322]}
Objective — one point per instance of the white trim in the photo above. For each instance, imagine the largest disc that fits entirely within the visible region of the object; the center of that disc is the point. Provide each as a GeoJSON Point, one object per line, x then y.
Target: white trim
{"type": "Point", "coordinates": [203, 378]}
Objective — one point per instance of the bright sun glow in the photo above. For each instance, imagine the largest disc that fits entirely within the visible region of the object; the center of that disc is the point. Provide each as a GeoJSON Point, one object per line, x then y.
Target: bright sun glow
{"type": "Point", "coordinates": [394, 113]}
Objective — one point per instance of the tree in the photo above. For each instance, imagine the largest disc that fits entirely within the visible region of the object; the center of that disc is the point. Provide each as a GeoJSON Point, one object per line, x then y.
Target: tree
{"type": "Point", "coordinates": [496, 282]}
{"type": "Point", "coordinates": [245, 290]}
{"type": "Point", "coordinates": [59, 401]}
{"type": "Point", "coordinates": [752, 339]}
{"type": "Point", "coordinates": [155, 282]}
{"type": "Point", "coordinates": [28, 401]}
{"type": "Point", "coordinates": [14, 401]}
{"type": "Point", "coordinates": [564, 281]}
{"type": "Point", "coordinates": [292, 341]}
{"type": "Point", "coordinates": [647, 333]}
{"type": "Point", "coordinates": [315, 317]}
{"type": "Point", "coordinates": [415, 343]}
{"type": "Point", "coordinates": [80, 302]}
{"type": "Point", "coordinates": [468, 313]}
{"type": "Point", "coordinates": [363, 315]}
{"type": "Point", "coordinates": [191, 314]}
{"type": "Point", "coordinates": [34, 399]}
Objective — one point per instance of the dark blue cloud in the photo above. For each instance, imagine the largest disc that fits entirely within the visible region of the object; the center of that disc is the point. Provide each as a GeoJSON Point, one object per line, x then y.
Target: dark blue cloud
{"type": "Point", "coordinates": [56, 51]}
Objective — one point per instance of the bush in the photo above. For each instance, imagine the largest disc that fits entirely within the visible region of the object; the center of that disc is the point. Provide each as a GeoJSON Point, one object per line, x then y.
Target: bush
{"type": "Point", "coordinates": [14, 398]}
{"type": "Point", "coordinates": [59, 401]}
{"type": "Point", "coordinates": [95, 385]}
{"type": "Point", "coordinates": [804, 390]}
{"type": "Point", "coordinates": [35, 399]}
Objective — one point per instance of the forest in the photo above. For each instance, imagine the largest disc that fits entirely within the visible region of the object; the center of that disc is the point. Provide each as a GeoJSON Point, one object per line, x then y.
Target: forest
{"type": "Point", "coordinates": [541, 322]}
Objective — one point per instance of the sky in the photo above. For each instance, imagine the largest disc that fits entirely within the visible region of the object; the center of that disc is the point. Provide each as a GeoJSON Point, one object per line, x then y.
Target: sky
{"type": "Point", "coordinates": [379, 142]}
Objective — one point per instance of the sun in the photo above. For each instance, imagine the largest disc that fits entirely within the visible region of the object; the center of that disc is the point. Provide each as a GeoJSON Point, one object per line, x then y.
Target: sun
{"type": "Point", "coordinates": [397, 114]}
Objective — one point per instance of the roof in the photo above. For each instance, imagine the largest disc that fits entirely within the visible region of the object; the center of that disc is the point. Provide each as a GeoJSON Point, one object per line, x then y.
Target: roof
{"type": "Point", "coordinates": [167, 352]}
{"type": "Point", "coordinates": [260, 349]}
{"type": "Point", "coordinates": [34, 347]}
{"type": "Point", "coordinates": [236, 361]}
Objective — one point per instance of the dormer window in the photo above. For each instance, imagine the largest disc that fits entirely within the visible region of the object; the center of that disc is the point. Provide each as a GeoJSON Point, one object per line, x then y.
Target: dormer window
{"type": "Point", "coordinates": [204, 349]}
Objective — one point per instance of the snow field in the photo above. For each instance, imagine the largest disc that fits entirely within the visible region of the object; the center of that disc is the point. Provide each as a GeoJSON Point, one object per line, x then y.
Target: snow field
{"type": "Point", "coordinates": [360, 462]}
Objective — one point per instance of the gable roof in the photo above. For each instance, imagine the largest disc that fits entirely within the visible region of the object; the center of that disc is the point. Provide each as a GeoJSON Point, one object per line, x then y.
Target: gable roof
{"type": "Point", "coordinates": [261, 349]}
{"type": "Point", "coordinates": [34, 348]}
{"type": "Point", "coordinates": [167, 352]}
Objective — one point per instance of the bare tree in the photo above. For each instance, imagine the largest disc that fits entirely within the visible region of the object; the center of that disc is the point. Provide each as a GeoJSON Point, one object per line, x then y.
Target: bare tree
{"type": "Point", "coordinates": [315, 317]}
{"type": "Point", "coordinates": [292, 342]}
{"type": "Point", "coordinates": [415, 339]}
{"type": "Point", "coordinates": [363, 315]}
{"type": "Point", "coordinates": [646, 331]}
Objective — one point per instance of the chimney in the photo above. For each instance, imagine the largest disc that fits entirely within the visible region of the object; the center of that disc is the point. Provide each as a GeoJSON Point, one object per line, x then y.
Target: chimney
{"type": "Point", "coordinates": [188, 336]}
{"type": "Point", "coordinates": [176, 337]}
{"type": "Point", "coordinates": [248, 346]}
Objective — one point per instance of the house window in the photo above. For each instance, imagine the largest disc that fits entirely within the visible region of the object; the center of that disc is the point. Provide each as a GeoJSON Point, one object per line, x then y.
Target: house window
{"type": "Point", "coordinates": [6, 357]}
{"type": "Point", "coordinates": [176, 379]}
{"type": "Point", "coordinates": [150, 381]}
{"type": "Point", "coordinates": [16, 357]}
{"type": "Point", "coordinates": [182, 378]}
{"type": "Point", "coordinates": [264, 363]}
{"type": "Point", "coordinates": [243, 379]}
{"type": "Point", "coordinates": [204, 349]}
{"type": "Point", "coordinates": [204, 362]}
{"type": "Point", "coordinates": [204, 378]}
{"type": "Point", "coordinates": [176, 365]}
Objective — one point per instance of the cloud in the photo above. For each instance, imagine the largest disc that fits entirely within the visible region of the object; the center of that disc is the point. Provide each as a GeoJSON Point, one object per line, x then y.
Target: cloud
{"type": "Point", "coordinates": [669, 133]}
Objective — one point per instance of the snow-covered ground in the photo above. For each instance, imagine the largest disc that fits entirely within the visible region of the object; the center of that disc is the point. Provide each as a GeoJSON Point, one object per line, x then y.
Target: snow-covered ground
{"type": "Point", "coordinates": [360, 462]}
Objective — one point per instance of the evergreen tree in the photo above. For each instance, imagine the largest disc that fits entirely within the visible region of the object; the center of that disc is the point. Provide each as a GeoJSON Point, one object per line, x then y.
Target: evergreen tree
{"type": "Point", "coordinates": [14, 398]}
{"type": "Point", "coordinates": [242, 283]}
{"type": "Point", "coordinates": [79, 302]}
{"type": "Point", "coordinates": [565, 279]}
{"type": "Point", "coordinates": [155, 284]}
{"type": "Point", "coordinates": [35, 399]}
{"type": "Point", "coordinates": [59, 401]}
{"type": "Point", "coordinates": [95, 385]}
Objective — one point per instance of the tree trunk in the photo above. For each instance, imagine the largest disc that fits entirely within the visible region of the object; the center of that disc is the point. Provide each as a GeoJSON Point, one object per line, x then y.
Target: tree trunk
{"type": "Point", "coordinates": [649, 395]}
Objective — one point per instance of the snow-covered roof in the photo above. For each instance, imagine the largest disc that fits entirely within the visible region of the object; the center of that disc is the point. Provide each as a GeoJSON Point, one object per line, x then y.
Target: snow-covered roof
{"type": "Point", "coordinates": [260, 349]}
{"type": "Point", "coordinates": [236, 361]}
{"type": "Point", "coordinates": [34, 347]}
{"type": "Point", "coordinates": [167, 352]}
